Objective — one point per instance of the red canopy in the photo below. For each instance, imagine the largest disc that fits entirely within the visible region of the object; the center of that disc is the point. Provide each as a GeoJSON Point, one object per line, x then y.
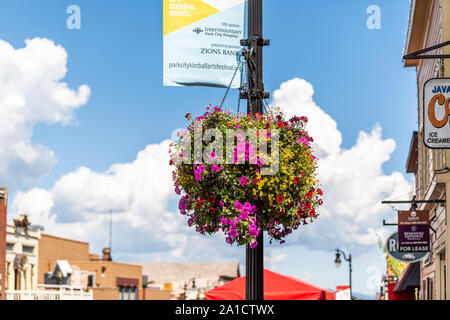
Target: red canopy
{"type": "Point", "coordinates": [276, 287]}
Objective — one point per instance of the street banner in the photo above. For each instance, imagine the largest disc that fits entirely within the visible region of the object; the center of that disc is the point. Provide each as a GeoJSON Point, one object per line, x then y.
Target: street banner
{"type": "Point", "coordinates": [393, 250]}
{"type": "Point", "coordinates": [436, 111]}
{"type": "Point", "coordinates": [202, 42]}
{"type": "Point", "coordinates": [343, 293]}
{"type": "Point", "coordinates": [413, 231]}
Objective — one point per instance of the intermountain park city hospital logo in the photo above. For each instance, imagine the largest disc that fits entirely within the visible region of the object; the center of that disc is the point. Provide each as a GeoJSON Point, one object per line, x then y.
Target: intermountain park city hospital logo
{"type": "Point", "coordinates": [197, 30]}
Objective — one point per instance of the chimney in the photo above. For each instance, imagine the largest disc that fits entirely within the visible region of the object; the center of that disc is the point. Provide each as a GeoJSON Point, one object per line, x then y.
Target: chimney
{"type": "Point", "coordinates": [107, 254]}
{"type": "Point", "coordinates": [3, 211]}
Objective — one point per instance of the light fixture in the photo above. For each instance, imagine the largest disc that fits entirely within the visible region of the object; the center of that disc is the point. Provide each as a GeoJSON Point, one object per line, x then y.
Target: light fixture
{"type": "Point", "coordinates": [338, 261]}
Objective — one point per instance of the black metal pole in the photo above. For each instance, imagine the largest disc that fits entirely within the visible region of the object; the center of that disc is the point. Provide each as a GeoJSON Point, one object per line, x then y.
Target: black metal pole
{"type": "Point", "coordinates": [255, 257]}
{"type": "Point", "coordinates": [350, 269]}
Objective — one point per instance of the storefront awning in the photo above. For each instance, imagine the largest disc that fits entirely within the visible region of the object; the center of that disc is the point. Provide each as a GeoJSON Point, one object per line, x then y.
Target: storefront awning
{"type": "Point", "coordinates": [410, 278]}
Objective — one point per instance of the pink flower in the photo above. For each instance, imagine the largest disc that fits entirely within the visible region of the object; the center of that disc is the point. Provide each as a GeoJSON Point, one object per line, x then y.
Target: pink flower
{"type": "Point", "coordinates": [213, 155]}
{"type": "Point", "coordinates": [238, 206]}
{"type": "Point", "coordinates": [243, 181]}
{"type": "Point", "coordinates": [254, 244]}
{"type": "Point", "coordinates": [215, 168]}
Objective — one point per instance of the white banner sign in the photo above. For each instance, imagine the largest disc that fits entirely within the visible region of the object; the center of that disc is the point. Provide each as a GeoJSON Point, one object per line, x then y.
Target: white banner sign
{"type": "Point", "coordinates": [202, 41]}
{"type": "Point", "coordinates": [343, 293]}
{"type": "Point", "coordinates": [436, 109]}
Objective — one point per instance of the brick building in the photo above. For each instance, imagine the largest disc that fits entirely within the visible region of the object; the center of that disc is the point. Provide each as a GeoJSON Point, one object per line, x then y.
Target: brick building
{"type": "Point", "coordinates": [108, 280]}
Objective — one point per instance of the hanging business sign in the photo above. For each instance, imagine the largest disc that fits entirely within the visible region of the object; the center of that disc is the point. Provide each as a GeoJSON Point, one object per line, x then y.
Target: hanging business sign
{"type": "Point", "coordinates": [392, 249]}
{"type": "Point", "coordinates": [413, 231]}
{"type": "Point", "coordinates": [202, 42]}
{"type": "Point", "coordinates": [436, 112]}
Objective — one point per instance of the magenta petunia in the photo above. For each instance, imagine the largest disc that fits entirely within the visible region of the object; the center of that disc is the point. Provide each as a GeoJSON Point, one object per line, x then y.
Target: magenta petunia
{"type": "Point", "coordinates": [243, 181]}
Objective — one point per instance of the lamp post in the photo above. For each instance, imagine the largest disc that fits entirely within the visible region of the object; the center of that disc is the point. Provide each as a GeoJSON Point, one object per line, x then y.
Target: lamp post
{"type": "Point", "coordinates": [255, 95]}
{"type": "Point", "coordinates": [338, 262]}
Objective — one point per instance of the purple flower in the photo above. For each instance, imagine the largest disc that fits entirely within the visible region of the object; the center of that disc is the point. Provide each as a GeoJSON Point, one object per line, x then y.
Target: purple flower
{"type": "Point", "coordinates": [221, 204]}
{"type": "Point", "coordinates": [198, 176]}
{"type": "Point", "coordinates": [215, 168]}
{"type": "Point", "coordinates": [201, 168]}
{"type": "Point", "coordinates": [177, 190]}
{"type": "Point", "coordinates": [182, 205]}
{"type": "Point", "coordinates": [244, 215]}
{"type": "Point", "coordinates": [232, 233]}
{"type": "Point", "coordinates": [253, 230]}
{"type": "Point", "coordinates": [243, 181]}
{"type": "Point", "coordinates": [238, 206]}
{"type": "Point", "coordinates": [224, 221]}
{"type": "Point", "coordinates": [190, 222]}
{"type": "Point", "coordinates": [254, 244]}
{"type": "Point", "coordinates": [229, 240]}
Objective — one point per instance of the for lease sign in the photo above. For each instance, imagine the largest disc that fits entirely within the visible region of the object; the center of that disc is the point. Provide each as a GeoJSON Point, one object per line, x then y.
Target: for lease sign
{"type": "Point", "coordinates": [436, 112]}
{"type": "Point", "coordinates": [413, 231]}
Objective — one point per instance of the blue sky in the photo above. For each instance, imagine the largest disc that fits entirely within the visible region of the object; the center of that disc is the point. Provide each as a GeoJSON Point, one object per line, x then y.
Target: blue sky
{"type": "Point", "coordinates": [357, 75]}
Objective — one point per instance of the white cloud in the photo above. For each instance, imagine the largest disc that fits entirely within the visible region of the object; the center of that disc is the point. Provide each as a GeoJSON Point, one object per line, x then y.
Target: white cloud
{"type": "Point", "coordinates": [273, 259]}
{"type": "Point", "coordinates": [352, 179]}
{"type": "Point", "coordinates": [31, 92]}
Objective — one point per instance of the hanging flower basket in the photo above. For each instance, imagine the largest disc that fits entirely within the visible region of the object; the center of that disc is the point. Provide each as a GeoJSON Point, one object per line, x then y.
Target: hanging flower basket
{"type": "Point", "coordinates": [263, 178]}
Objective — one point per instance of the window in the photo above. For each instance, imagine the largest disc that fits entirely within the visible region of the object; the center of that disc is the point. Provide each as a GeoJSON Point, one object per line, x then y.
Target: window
{"type": "Point", "coordinates": [445, 282]}
{"type": "Point", "coordinates": [127, 293]}
{"type": "Point", "coordinates": [27, 249]}
{"type": "Point", "coordinates": [10, 246]}
{"type": "Point", "coordinates": [90, 280]}
{"type": "Point", "coordinates": [429, 289]}
{"type": "Point", "coordinates": [132, 293]}
{"type": "Point", "coordinates": [424, 290]}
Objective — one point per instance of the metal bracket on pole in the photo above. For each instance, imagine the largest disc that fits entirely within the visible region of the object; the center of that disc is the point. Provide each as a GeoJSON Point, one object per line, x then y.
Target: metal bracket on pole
{"type": "Point", "coordinates": [385, 224]}
{"type": "Point", "coordinates": [412, 201]}
{"type": "Point", "coordinates": [250, 58]}
{"type": "Point", "coordinates": [417, 54]}
{"type": "Point", "coordinates": [259, 41]}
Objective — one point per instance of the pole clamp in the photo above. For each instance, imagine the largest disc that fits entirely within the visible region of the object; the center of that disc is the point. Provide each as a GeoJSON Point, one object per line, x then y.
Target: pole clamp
{"type": "Point", "coordinates": [255, 94]}
{"type": "Point", "coordinates": [254, 39]}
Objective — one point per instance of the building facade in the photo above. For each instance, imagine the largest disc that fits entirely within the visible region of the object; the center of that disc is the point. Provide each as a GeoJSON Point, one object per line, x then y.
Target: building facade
{"type": "Point", "coordinates": [107, 279]}
{"type": "Point", "coordinates": [430, 25]}
{"type": "Point", "coordinates": [3, 212]}
{"type": "Point", "coordinates": [22, 249]}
